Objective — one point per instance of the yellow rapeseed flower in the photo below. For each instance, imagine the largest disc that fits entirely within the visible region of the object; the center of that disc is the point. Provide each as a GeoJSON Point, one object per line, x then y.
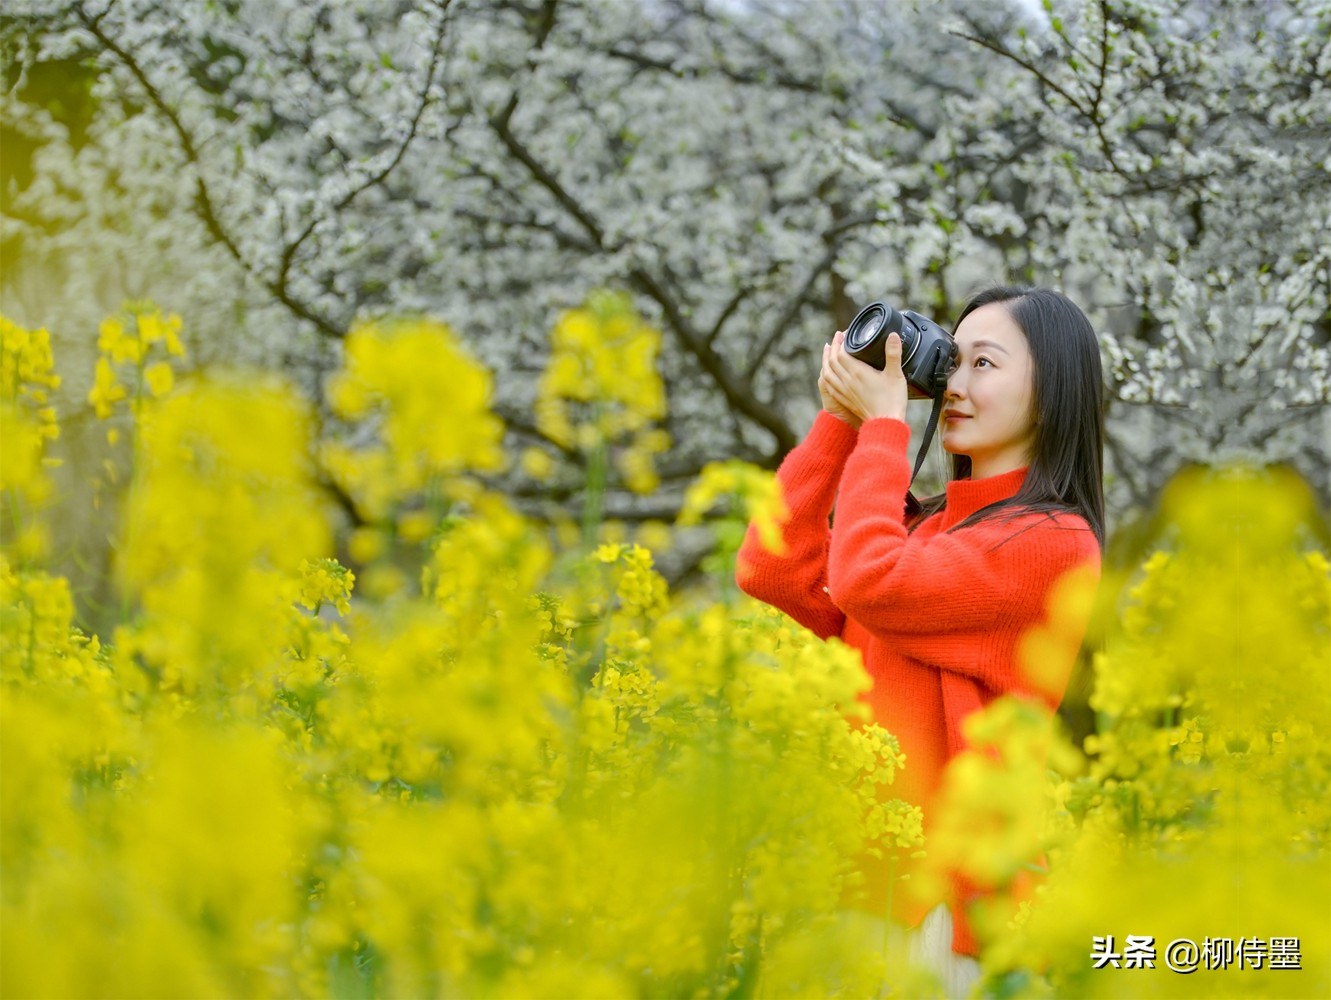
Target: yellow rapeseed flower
{"type": "Point", "coordinates": [542, 772]}
{"type": "Point", "coordinates": [106, 389]}
{"type": "Point", "coordinates": [432, 401]}
{"type": "Point", "coordinates": [601, 387]}
{"type": "Point", "coordinates": [159, 378]}
{"type": "Point", "coordinates": [134, 338]}
{"type": "Point", "coordinates": [326, 581]}
{"type": "Point", "coordinates": [27, 374]}
{"type": "Point", "coordinates": [755, 491]}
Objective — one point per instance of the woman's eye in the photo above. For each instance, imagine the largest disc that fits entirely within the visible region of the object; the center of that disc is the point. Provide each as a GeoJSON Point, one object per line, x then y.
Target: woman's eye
{"type": "Point", "coordinates": [983, 361]}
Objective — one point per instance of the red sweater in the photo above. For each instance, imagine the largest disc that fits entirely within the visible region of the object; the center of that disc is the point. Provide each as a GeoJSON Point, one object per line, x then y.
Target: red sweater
{"type": "Point", "coordinates": [936, 614]}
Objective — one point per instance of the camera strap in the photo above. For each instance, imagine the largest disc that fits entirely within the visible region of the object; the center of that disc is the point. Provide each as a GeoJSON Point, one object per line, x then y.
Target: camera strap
{"type": "Point", "coordinates": [912, 504]}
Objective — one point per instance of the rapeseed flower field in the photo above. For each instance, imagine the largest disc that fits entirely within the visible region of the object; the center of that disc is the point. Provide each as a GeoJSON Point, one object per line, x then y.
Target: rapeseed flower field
{"type": "Point", "coordinates": [438, 749]}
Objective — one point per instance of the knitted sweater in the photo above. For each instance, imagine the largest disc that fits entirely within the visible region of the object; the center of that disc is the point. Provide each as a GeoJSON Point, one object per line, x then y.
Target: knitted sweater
{"type": "Point", "coordinates": [936, 614]}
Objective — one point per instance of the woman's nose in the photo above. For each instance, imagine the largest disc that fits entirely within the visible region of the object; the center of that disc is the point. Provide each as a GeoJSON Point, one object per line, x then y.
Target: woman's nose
{"type": "Point", "coordinates": [955, 387]}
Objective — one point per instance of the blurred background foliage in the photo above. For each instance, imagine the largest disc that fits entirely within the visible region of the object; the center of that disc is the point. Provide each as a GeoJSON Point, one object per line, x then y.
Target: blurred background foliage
{"type": "Point", "coordinates": [747, 173]}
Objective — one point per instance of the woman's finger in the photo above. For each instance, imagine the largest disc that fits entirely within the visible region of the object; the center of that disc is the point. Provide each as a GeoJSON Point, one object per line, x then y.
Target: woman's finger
{"type": "Point", "coordinates": [832, 381]}
{"type": "Point", "coordinates": [836, 356]}
{"type": "Point", "coordinates": [837, 382]}
{"type": "Point", "coordinates": [827, 363]}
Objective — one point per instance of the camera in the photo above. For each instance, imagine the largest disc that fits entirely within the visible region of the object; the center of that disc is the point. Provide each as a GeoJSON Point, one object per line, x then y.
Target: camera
{"type": "Point", "coordinates": [928, 352]}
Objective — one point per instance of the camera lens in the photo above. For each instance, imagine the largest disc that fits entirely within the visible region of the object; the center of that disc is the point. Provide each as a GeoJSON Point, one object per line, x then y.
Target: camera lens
{"type": "Point", "coordinates": [862, 332]}
{"type": "Point", "coordinates": [866, 337]}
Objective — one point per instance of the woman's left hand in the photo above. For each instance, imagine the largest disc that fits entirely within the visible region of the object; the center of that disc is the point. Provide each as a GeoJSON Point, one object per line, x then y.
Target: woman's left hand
{"type": "Point", "coordinates": [861, 388]}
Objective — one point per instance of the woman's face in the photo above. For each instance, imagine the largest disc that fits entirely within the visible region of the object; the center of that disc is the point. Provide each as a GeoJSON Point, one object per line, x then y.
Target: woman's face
{"type": "Point", "coordinates": [989, 414]}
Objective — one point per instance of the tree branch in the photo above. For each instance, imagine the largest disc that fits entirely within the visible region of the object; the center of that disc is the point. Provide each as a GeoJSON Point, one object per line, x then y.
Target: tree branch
{"type": "Point", "coordinates": [738, 394]}
{"type": "Point", "coordinates": [735, 301]}
{"type": "Point", "coordinates": [1029, 66]}
{"type": "Point", "coordinates": [796, 302]}
{"type": "Point", "coordinates": [422, 102]}
{"type": "Point", "coordinates": [203, 197]}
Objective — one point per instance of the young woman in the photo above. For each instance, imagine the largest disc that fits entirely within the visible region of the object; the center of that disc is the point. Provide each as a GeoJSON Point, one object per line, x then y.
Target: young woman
{"type": "Point", "coordinates": [938, 602]}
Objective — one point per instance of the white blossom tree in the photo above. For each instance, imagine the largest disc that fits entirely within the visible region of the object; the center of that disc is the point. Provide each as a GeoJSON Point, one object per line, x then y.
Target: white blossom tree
{"type": "Point", "coordinates": [749, 171]}
{"type": "Point", "coordinates": [1194, 139]}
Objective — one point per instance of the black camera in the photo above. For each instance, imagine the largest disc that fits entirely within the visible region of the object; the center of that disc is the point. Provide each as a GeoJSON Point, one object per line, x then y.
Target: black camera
{"type": "Point", "coordinates": [928, 352]}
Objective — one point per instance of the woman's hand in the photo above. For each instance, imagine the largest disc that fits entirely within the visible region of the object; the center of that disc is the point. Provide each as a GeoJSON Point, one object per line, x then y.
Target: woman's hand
{"type": "Point", "coordinates": [855, 391]}
{"type": "Point", "coordinates": [832, 403]}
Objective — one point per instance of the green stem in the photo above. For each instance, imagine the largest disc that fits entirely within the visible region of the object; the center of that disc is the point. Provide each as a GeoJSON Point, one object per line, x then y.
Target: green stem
{"type": "Point", "coordinates": [730, 592]}
{"type": "Point", "coordinates": [15, 515]}
{"type": "Point", "coordinates": [127, 514]}
{"type": "Point", "coordinates": [887, 915]}
{"type": "Point", "coordinates": [32, 636]}
{"type": "Point", "coordinates": [597, 469]}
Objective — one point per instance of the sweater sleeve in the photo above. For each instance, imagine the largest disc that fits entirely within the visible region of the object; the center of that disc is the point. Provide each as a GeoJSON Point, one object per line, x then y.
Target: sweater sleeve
{"type": "Point", "coordinates": [938, 597]}
{"type": "Point", "coordinates": [796, 581]}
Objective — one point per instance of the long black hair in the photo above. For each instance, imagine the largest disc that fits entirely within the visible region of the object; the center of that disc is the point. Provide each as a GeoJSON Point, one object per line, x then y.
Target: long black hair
{"type": "Point", "coordinates": [1066, 472]}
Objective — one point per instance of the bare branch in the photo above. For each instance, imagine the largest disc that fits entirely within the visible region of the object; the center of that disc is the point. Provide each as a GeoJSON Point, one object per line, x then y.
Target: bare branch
{"type": "Point", "coordinates": [738, 393]}
{"type": "Point", "coordinates": [1026, 64]}
{"type": "Point", "coordinates": [793, 306]}
{"type": "Point", "coordinates": [735, 301]}
{"type": "Point", "coordinates": [422, 102]}
{"type": "Point", "coordinates": [203, 199]}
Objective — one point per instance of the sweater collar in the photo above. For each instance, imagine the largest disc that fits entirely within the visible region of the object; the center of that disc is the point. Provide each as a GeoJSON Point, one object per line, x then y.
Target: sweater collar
{"type": "Point", "coordinates": [966, 496]}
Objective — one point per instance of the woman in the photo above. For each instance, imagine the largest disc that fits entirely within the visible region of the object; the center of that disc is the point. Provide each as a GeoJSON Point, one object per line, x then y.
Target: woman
{"type": "Point", "coordinates": [937, 602]}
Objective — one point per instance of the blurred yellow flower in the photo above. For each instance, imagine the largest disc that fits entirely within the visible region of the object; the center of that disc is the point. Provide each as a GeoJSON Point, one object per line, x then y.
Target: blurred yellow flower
{"type": "Point", "coordinates": [106, 390]}
{"type": "Point", "coordinates": [27, 374]}
{"type": "Point", "coordinates": [542, 772]}
{"type": "Point", "coordinates": [756, 493]}
{"type": "Point", "coordinates": [433, 404]}
{"type": "Point", "coordinates": [601, 387]}
{"type": "Point", "coordinates": [159, 378]}
{"type": "Point", "coordinates": [133, 338]}
{"type": "Point", "coordinates": [538, 464]}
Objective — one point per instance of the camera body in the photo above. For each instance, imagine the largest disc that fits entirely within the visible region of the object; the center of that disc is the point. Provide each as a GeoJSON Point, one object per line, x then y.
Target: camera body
{"type": "Point", "coordinates": [928, 352]}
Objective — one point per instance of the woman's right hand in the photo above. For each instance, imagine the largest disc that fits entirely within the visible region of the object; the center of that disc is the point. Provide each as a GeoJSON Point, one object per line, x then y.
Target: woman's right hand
{"type": "Point", "coordinates": [831, 403]}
